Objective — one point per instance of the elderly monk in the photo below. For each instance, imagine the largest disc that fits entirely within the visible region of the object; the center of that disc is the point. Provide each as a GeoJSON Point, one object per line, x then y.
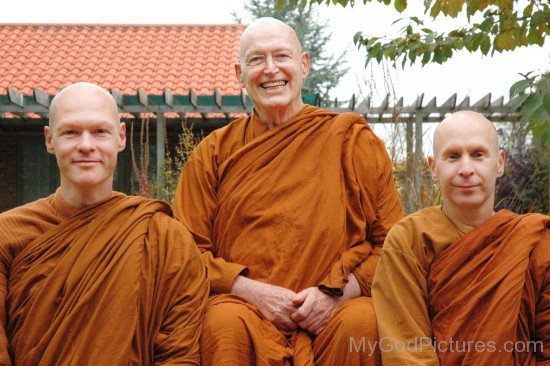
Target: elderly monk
{"type": "Point", "coordinates": [290, 207]}
{"type": "Point", "coordinates": [459, 284]}
{"type": "Point", "coordinates": [89, 276]}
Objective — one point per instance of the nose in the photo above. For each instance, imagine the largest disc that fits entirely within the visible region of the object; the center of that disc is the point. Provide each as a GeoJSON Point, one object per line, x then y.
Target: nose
{"type": "Point", "coordinates": [466, 167]}
{"type": "Point", "coordinates": [270, 66]}
{"type": "Point", "coordinates": [85, 143]}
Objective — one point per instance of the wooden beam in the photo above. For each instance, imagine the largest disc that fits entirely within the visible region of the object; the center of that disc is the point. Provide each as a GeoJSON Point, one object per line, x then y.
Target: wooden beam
{"type": "Point", "coordinates": [142, 97]}
{"type": "Point", "coordinates": [16, 98]}
{"type": "Point", "coordinates": [483, 103]}
{"type": "Point", "coordinates": [383, 106]}
{"type": "Point", "coordinates": [168, 98]}
{"type": "Point", "coordinates": [351, 105]}
{"type": "Point", "coordinates": [218, 98]}
{"type": "Point", "coordinates": [119, 99]}
{"type": "Point", "coordinates": [41, 98]}
{"type": "Point", "coordinates": [193, 98]}
{"type": "Point", "coordinates": [450, 103]}
{"type": "Point", "coordinates": [161, 153]}
{"type": "Point", "coordinates": [465, 104]}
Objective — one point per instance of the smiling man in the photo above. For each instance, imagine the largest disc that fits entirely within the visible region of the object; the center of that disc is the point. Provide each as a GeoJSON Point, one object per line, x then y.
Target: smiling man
{"type": "Point", "coordinates": [459, 284]}
{"type": "Point", "coordinates": [290, 207]}
{"type": "Point", "coordinates": [89, 276]}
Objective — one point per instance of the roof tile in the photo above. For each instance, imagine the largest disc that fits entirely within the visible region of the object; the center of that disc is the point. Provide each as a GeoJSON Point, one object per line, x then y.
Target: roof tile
{"type": "Point", "coordinates": [123, 57]}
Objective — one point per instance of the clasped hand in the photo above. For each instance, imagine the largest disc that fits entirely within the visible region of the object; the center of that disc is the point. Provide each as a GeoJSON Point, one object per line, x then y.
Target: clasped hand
{"type": "Point", "coordinates": [310, 309]}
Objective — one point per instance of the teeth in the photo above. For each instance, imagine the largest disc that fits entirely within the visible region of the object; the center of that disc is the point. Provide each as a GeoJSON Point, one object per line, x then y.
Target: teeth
{"type": "Point", "coordinates": [273, 84]}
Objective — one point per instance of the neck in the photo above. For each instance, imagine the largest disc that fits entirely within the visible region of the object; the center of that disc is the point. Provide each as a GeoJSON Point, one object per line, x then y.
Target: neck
{"type": "Point", "coordinates": [471, 217]}
{"type": "Point", "coordinates": [84, 196]}
{"type": "Point", "coordinates": [274, 117]}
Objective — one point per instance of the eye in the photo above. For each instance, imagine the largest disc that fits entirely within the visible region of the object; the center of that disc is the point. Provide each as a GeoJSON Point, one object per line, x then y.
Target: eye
{"type": "Point", "coordinates": [255, 60]}
{"type": "Point", "coordinates": [453, 156]}
{"type": "Point", "coordinates": [69, 132]}
{"type": "Point", "coordinates": [281, 57]}
{"type": "Point", "coordinates": [478, 154]}
{"type": "Point", "coordinates": [102, 131]}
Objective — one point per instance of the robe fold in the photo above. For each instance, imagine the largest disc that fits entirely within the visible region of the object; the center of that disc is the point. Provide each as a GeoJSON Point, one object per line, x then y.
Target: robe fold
{"type": "Point", "coordinates": [116, 283]}
{"type": "Point", "coordinates": [303, 204]}
{"type": "Point", "coordinates": [446, 293]}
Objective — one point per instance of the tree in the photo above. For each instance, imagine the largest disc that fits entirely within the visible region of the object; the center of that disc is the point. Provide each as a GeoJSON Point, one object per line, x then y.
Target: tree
{"type": "Point", "coordinates": [504, 26]}
{"type": "Point", "coordinates": [326, 71]}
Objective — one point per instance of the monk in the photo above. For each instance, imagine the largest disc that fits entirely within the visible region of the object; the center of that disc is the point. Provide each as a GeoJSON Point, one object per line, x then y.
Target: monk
{"type": "Point", "coordinates": [89, 276]}
{"type": "Point", "coordinates": [459, 284]}
{"type": "Point", "coordinates": [290, 207]}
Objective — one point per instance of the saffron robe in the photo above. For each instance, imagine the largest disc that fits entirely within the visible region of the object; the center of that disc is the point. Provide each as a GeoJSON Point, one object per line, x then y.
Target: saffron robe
{"type": "Point", "coordinates": [441, 280]}
{"type": "Point", "coordinates": [302, 204]}
{"type": "Point", "coordinates": [116, 283]}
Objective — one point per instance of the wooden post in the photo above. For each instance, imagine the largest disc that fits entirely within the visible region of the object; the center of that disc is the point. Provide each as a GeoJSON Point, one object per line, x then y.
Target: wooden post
{"type": "Point", "coordinates": [161, 137]}
{"type": "Point", "coordinates": [418, 157]}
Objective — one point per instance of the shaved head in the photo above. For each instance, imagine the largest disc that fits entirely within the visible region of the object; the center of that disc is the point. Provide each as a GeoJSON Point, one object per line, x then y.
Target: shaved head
{"type": "Point", "coordinates": [259, 26]}
{"type": "Point", "coordinates": [82, 92]}
{"type": "Point", "coordinates": [465, 119]}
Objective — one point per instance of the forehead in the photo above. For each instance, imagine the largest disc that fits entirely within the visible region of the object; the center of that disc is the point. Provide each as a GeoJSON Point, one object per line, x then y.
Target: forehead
{"type": "Point", "coordinates": [83, 115]}
{"type": "Point", "coordinates": [267, 38]}
{"type": "Point", "coordinates": [468, 135]}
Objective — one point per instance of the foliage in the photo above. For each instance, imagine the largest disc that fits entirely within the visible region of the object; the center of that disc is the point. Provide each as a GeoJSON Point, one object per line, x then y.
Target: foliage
{"type": "Point", "coordinates": [505, 25]}
{"type": "Point", "coordinates": [525, 184]}
{"type": "Point", "coordinates": [326, 71]}
{"type": "Point", "coordinates": [533, 93]}
{"type": "Point", "coordinates": [175, 160]}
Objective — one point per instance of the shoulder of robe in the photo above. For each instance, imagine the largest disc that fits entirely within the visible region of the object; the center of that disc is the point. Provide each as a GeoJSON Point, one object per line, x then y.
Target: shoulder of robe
{"type": "Point", "coordinates": [414, 227]}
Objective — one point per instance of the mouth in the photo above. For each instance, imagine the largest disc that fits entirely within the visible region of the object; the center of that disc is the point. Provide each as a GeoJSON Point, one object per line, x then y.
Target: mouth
{"type": "Point", "coordinates": [271, 85]}
{"type": "Point", "coordinates": [86, 162]}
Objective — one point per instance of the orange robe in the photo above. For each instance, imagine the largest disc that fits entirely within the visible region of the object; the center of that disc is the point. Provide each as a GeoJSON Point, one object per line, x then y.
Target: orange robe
{"type": "Point", "coordinates": [486, 287]}
{"type": "Point", "coordinates": [303, 204]}
{"type": "Point", "coordinates": [116, 283]}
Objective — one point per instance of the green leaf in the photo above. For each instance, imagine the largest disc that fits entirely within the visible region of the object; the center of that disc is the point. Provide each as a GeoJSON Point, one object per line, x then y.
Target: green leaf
{"type": "Point", "coordinates": [544, 85]}
{"type": "Point", "coordinates": [546, 103]}
{"type": "Point", "coordinates": [517, 102]}
{"type": "Point", "coordinates": [532, 103]}
{"type": "Point", "coordinates": [537, 18]}
{"type": "Point", "coordinates": [426, 57]}
{"type": "Point", "coordinates": [519, 87]}
{"type": "Point", "coordinates": [485, 44]}
{"type": "Point", "coordinates": [400, 5]}
{"type": "Point", "coordinates": [528, 10]}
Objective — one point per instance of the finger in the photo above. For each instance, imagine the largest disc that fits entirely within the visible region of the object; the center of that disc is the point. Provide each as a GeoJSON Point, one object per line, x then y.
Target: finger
{"type": "Point", "coordinates": [303, 312]}
{"type": "Point", "coordinates": [300, 297]}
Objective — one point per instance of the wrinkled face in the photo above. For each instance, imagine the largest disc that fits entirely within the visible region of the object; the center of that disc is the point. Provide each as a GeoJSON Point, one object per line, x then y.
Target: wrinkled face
{"type": "Point", "coordinates": [272, 68]}
{"type": "Point", "coordinates": [85, 137]}
{"type": "Point", "coordinates": [466, 164]}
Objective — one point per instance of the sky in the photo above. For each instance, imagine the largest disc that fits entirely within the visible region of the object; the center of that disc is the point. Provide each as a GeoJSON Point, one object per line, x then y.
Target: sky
{"type": "Point", "coordinates": [466, 74]}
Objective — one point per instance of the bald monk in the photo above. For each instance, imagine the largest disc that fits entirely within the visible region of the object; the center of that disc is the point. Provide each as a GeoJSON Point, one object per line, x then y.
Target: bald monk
{"type": "Point", "coordinates": [459, 284]}
{"type": "Point", "coordinates": [89, 276]}
{"type": "Point", "coordinates": [290, 207]}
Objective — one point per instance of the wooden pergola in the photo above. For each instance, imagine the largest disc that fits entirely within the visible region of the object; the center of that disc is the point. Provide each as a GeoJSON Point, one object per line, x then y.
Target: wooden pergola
{"type": "Point", "coordinates": [216, 110]}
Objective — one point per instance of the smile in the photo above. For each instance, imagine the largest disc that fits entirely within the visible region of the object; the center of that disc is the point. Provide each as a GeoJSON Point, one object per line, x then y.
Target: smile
{"type": "Point", "coordinates": [273, 84]}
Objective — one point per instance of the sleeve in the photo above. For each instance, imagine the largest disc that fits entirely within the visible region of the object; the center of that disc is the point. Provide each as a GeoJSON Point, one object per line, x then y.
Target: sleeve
{"type": "Point", "coordinates": [399, 296]}
{"type": "Point", "coordinates": [182, 293]}
{"type": "Point", "coordinates": [195, 206]}
{"type": "Point", "coordinates": [542, 314]}
{"type": "Point", "coordinates": [372, 189]}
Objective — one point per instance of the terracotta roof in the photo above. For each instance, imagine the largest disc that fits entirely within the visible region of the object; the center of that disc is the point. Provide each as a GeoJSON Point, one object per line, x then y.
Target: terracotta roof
{"type": "Point", "coordinates": [123, 57]}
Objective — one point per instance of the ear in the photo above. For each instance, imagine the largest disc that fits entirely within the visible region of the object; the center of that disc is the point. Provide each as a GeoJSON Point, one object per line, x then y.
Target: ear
{"type": "Point", "coordinates": [48, 138]}
{"type": "Point", "coordinates": [501, 162]}
{"type": "Point", "coordinates": [121, 136]}
{"type": "Point", "coordinates": [433, 169]}
{"type": "Point", "coordinates": [305, 64]}
{"type": "Point", "coordinates": [239, 74]}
